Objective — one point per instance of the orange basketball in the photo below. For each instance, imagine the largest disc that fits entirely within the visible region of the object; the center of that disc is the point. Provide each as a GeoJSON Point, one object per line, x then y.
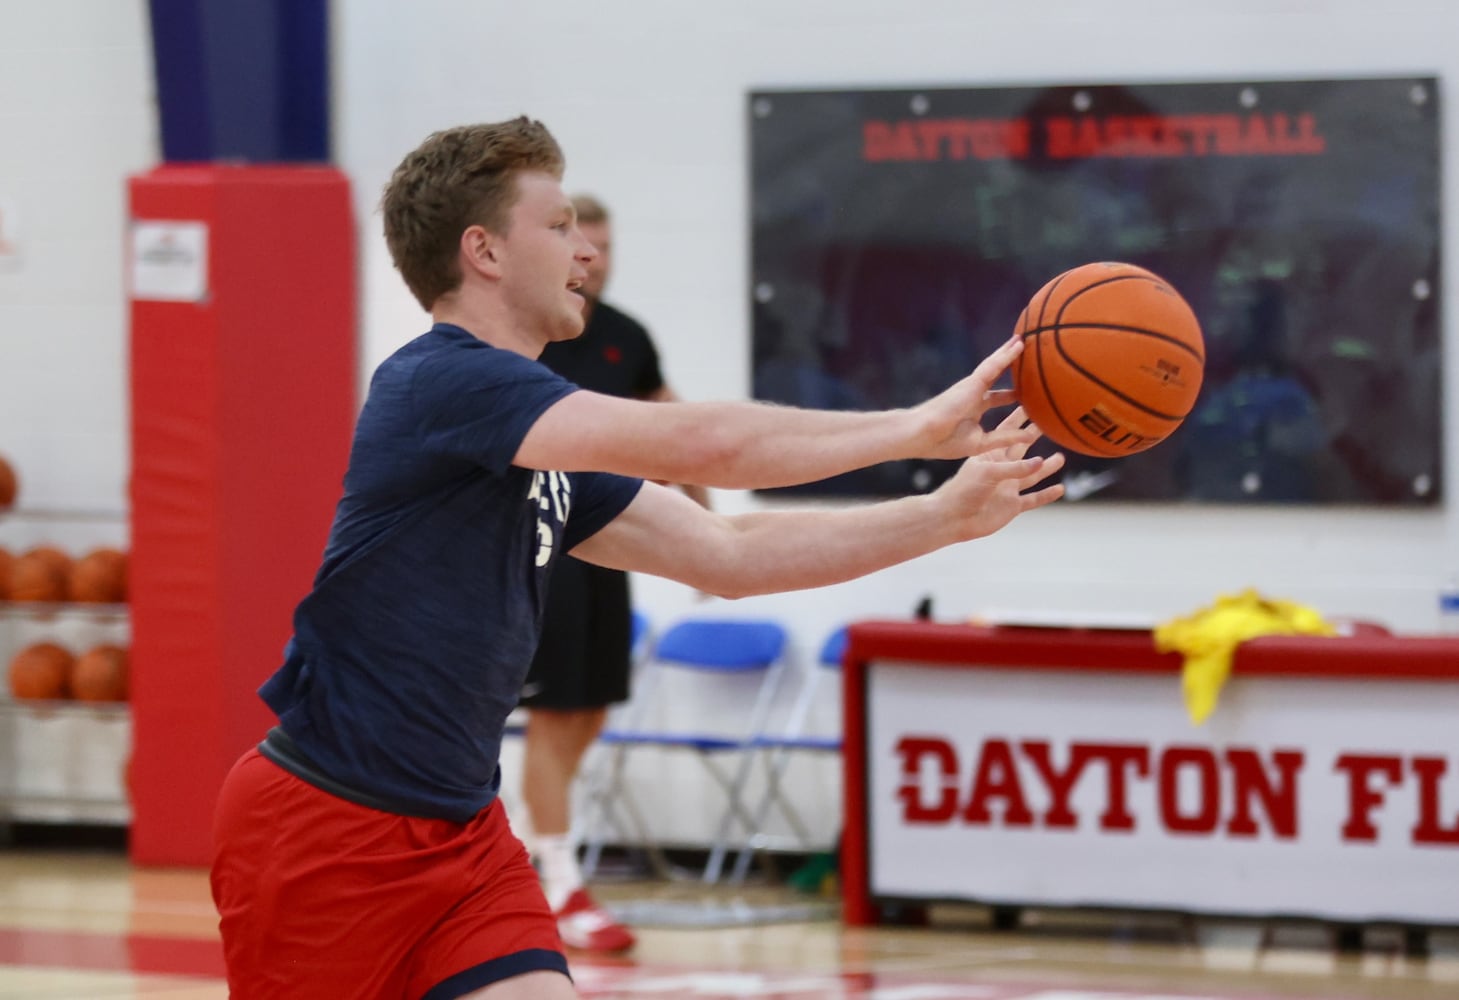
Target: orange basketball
{"type": "Point", "coordinates": [40, 575]}
{"type": "Point", "coordinates": [8, 486]}
{"type": "Point", "coordinates": [41, 672]}
{"type": "Point", "coordinates": [7, 563]}
{"type": "Point", "coordinates": [100, 674]}
{"type": "Point", "coordinates": [99, 577]}
{"type": "Point", "coordinates": [1112, 359]}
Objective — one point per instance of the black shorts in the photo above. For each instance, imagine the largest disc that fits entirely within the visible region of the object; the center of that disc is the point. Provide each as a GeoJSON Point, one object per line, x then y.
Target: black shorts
{"type": "Point", "coordinates": [583, 658]}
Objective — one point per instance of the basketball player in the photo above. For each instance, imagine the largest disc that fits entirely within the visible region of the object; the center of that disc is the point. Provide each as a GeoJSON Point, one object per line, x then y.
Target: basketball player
{"type": "Point", "coordinates": [361, 849]}
{"type": "Point", "coordinates": [582, 662]}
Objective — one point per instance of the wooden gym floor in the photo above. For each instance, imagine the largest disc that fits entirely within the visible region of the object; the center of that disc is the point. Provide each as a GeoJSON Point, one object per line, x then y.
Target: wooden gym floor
{"type": "Point", "coordinates": [85, 924]}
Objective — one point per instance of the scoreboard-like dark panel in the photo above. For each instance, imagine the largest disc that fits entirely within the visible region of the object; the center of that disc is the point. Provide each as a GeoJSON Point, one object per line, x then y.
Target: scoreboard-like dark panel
{"type": "Point", "coordinates": [896, 235]}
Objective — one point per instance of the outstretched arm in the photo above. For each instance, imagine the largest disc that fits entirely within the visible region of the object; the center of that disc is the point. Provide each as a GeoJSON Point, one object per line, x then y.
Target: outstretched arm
{"type": "Point", "coordinates": [759, 446]}
{"type": "Point", "coordinates": [695, 492]}
{"type": "Point", "coordinates": [664, 533]}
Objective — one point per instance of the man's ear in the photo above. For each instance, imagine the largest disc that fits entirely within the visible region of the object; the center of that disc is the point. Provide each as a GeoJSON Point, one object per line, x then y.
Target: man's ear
{"type": "Point", "coordinates": [481, 250]}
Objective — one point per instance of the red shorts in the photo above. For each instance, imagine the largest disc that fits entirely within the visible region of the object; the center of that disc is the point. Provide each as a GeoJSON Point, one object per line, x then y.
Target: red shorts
{"type": "Point", "coordinates": [320, 897]}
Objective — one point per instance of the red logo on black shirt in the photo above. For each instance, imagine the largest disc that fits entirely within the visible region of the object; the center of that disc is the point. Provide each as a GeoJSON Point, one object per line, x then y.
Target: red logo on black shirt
{"type": "Point", "coordinates": [612, 355]}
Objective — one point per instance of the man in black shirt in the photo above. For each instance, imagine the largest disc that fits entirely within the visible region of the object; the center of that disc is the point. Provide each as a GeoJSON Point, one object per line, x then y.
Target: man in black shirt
{"type": "Point", "coordinates": [582, 665]}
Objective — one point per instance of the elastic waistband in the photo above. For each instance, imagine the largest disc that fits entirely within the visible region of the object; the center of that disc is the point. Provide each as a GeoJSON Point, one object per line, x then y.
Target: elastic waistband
{"type": "Point", "coordinates": [283, 751]}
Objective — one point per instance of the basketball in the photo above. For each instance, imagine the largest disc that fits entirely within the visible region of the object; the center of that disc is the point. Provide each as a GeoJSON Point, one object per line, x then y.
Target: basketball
{"type": "Point", "coordinates": [7, 564]}
{"type": "Point", "coordinates": [8, 485]}
{"type": "Point", "coordinates": [1112, 359]}
{"type": "Point", "coordinates": [99, 577]}
{"type": "Point", "coordinates": [100, 674]}
{"type": "Point", "coordinates": [41, 574]}
{"type": "Point", "coordinates": [41, 672]}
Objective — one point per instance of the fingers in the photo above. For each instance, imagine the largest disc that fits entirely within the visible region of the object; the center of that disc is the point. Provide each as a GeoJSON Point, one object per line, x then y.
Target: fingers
{"type": "Point", "coordinates": [1030, 498]}
{"type": "Point", "coordinates": [1019, 448]}
{"type": "Point", "coordinates": [1013, 442]}
{"type": "Point", "coordinates": [1035, 499]}
{"type": "Point", "coordinates": [1015, 434]}
{"type": "Point", "coordinates": [1026, 472]}
{"type": "Point", "coordinates": [1015, 420]}
{"type": "Point", "coordinates": [1037, 469]}
{"type": "Point", "coordinates": [1052, 464]}
{"type": "Point", "coordinates": [1018, 470]}
{"type": "Point", "coordinates": [973, 396]}
{"type": "Point", "coordinates": [996, 363]}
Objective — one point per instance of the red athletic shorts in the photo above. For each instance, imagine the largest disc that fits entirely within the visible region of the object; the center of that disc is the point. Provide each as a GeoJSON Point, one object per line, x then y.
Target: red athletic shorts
{"type": "Point", "coordinates": [320, 897]}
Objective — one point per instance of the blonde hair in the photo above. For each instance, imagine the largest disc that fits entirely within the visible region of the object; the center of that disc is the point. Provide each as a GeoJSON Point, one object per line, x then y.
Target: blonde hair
{"type": "Point", "coordinates": [456, 178]}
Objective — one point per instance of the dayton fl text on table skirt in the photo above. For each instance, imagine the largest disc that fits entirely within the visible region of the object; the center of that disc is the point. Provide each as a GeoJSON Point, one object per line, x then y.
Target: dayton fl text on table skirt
{"type": "Point", "coordinates": [1058, 767]}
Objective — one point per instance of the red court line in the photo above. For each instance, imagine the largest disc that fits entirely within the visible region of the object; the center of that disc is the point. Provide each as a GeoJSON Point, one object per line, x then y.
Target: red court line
{"type": "Point", "coordinates": [137, 953]}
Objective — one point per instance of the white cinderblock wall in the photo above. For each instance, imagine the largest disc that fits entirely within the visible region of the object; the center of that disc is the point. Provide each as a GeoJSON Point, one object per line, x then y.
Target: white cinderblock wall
{"type": "Point", "coordinates": [647, 98]}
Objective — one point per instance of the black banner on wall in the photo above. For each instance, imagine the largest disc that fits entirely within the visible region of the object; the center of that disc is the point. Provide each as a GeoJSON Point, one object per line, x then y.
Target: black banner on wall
{"type": "Point", "coordinates": [897, 235]}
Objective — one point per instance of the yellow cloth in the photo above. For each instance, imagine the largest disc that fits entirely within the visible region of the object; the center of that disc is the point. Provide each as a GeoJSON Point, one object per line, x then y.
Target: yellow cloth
{"type": "Point", "coordinates": [1208, 639]}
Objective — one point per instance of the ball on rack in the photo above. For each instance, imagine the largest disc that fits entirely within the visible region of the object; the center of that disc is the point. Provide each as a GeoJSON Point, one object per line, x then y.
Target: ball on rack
{"type": "Point", "coordinates": [41, 574]}
{"type": "Point", "coordinates": [41, 672]}
{"type": "Point", "coordinates": [8, 485]}
{"type": "Point", "coordinates": [1112, 359]}
{"type": "Point", "coordinates": [100, 674]}
{"type": "Point", "coordinates": [99, 577]}
{"type": "Point", "coordinates": [7, 564]}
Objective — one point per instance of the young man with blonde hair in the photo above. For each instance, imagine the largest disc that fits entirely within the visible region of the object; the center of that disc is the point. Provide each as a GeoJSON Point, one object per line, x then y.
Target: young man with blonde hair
{"type": "Point", "coordinates": [361, 850]}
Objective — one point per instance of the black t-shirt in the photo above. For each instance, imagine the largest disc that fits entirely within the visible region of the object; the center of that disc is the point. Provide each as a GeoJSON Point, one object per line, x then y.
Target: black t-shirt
{"type": "Point", "coordinates": [614, 356]}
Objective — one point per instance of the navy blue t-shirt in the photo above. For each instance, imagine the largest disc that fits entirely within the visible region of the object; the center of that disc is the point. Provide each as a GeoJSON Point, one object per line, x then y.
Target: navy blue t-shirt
{"type": "Point", "coordinates": [410, 650]}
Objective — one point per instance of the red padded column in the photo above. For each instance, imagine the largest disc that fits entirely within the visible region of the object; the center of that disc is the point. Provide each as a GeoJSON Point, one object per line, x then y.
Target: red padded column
{"type": "Point", "coordinates": [243, 403]}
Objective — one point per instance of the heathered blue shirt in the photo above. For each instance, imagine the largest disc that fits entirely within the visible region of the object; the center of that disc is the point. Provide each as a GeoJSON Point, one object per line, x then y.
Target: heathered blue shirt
{"type": "Point", "coordinates": [411, 648]}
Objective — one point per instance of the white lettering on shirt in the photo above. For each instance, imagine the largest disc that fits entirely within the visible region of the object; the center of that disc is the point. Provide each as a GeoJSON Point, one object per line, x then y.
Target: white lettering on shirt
{"type": "Point", "coordinates": [553, 493]}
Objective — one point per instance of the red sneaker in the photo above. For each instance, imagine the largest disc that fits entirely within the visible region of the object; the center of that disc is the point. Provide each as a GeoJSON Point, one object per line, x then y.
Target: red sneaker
{"type": "Point", "coordinates": [584, 925]}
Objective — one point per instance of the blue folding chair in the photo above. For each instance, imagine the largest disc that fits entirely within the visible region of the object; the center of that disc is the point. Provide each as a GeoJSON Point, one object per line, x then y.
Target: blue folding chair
{"type": "Point", "coordinates": [744, 657]}
{"type": "Point", "coordinates": [777, 749]}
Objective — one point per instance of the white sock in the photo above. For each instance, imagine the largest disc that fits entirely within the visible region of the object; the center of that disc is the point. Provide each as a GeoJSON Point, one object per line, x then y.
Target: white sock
{"type": "Point", "coordinates": [558, 861]}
